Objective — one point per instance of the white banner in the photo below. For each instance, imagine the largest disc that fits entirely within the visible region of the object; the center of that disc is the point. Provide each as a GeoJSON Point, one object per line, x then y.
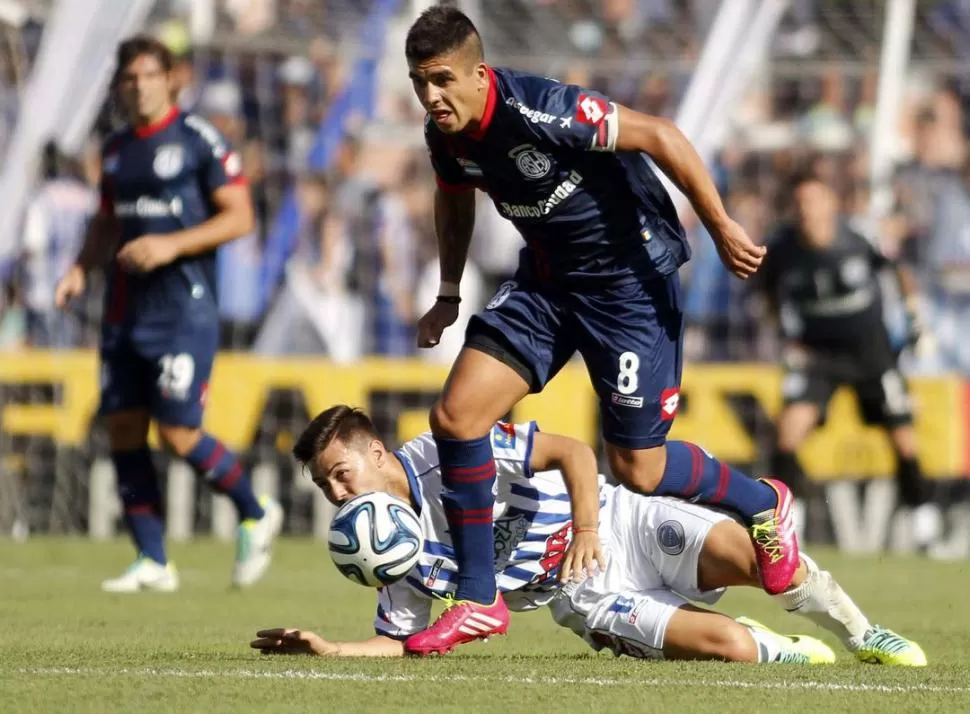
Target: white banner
{"type": "Point", "coordinates": [63, 94]}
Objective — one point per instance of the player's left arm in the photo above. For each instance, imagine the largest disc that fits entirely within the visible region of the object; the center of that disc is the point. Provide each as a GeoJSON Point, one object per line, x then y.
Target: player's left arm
{"type": "Point", "coordinates": [584, 120]}
{"type": "Point", "coordinates": [282, 640]}
{"type": "Point", "coordinates": [233, 218]}
{"type": "Point", "coordinates": [219, 174]}
{"type": "Point", "coordinates": [909, 290]}
{"type": "Point", "coordinates": [577, 463]}
{"type": "Point", "coordinates": [677, 158]}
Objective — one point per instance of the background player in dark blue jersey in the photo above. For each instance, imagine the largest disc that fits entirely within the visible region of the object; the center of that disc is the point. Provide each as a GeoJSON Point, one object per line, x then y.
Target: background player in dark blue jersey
{"type": "Point", "coordinates": [598, 275]}
{"type": "Point", "coordinates": [172, 193]}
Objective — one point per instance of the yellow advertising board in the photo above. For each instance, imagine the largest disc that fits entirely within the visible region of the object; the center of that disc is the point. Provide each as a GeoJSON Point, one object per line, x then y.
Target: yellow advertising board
{"type": "Point", "coordinates": [241, 384]}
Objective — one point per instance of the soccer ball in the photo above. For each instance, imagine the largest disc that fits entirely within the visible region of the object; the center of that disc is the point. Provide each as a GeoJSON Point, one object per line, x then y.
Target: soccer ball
{"type": "Point", "coordinates": [375, 539]}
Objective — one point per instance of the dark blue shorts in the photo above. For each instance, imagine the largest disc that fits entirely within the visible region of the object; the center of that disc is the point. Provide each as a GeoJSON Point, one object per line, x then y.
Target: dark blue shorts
{"type": "Point", "coordinates": [162, 370]}
{"type": "Point", "coordinates": [629, 336]}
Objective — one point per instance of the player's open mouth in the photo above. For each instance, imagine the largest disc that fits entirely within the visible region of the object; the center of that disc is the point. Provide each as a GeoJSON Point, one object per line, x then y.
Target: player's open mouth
{"type": "Point", "coordinates": [440, 115]}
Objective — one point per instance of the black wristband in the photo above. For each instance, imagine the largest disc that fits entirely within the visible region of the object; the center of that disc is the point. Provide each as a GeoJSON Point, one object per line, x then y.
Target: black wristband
{"type": "Point", "coordinates": [452, 299]}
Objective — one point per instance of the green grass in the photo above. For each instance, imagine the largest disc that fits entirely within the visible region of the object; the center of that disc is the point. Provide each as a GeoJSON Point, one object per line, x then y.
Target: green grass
{"type": "Point", "coordinates": [66, 647]}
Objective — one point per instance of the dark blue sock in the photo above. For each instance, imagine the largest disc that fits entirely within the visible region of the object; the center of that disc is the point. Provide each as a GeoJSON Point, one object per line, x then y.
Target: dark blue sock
{"type": "Point", "coordinates": [691, 473]}
{"type": "Point", "coordinates": [467, 474]}
{"type": "Point", "coordinates": [223, 472]}
{"type": "Point", "coordinates": [142, 501]}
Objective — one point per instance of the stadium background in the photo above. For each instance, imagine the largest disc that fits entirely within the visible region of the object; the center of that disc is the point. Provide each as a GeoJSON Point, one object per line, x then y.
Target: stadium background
{"type": "Point", "coordinates": [319, 303]}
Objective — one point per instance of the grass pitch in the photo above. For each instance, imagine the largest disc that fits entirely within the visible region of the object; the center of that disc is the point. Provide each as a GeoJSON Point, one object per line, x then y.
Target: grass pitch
{"type": "Point", "coordinates": [66, 647]}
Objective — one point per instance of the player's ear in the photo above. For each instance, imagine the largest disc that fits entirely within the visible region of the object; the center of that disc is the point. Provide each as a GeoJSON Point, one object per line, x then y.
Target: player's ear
{"type": "Point", "coordinates": [481, 76]}
{"type": "Point", "coordinates": [378, 452]}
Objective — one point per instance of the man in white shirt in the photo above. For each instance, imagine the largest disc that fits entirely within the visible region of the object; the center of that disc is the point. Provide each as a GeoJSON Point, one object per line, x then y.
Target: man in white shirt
{"type": "Point", "coordinates": [661, 554]}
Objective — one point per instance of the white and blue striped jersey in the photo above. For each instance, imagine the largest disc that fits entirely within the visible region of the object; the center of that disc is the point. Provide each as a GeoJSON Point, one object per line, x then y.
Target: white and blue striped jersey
{"type": "Point", "coordinates": [533, 526]}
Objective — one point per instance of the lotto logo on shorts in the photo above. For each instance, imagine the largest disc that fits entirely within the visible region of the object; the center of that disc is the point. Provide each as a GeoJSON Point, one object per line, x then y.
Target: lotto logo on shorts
{"type": "Point", "coordinates": [669, 403]}
{"type": "Point", "coordinates": [622, 400]}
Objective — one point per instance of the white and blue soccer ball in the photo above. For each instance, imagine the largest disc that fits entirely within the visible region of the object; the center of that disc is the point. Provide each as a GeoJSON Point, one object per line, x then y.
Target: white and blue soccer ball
{"type": "Point", "coordinates": [375, 539]}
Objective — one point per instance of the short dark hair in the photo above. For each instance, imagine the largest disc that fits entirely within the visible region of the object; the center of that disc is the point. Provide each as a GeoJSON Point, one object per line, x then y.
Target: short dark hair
{"type": "Point", "coordinates": [803, 174]}
{"type": "Point", "coordinates": [135, 47]}
{"type": "Point", "coordinates": [338, 422]}
{"type": "Point", "coordinates": [438, 31]}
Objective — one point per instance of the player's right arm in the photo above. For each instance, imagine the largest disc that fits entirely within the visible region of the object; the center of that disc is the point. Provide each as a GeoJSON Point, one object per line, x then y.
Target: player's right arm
{"type": "Point", "coordinates": [400, 612]}
{"type": "Point", "coordinates": [282, 640]}
{"type": "Point", "coordinates": [906, 281]}
{"type": "Point", "coordinates": [454, 221]}
{"type": "Point", "coordinates": [577, 464]}
{"type": "Point", "coordinates": [99, 243]}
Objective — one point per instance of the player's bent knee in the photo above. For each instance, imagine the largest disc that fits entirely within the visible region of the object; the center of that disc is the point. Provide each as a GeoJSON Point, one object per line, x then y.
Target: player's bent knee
{"type": "Point", "coordinates": [694, 633]}
{"type": "Point", "coordinates": [179, 440]}
{"type": "Point", "coordinates": [729, 642]}
{"type": "Point", "coordinates": [640, 470]}
{"type": "Point", "coordinates": [450, 423]}
{"type": "Point", "coordinates": [732, 643]}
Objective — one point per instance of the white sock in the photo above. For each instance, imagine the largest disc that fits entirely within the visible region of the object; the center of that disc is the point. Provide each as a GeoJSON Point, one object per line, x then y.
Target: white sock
{"type": "Point", "coordinates": [823, 601]}
{"type": "Point", "coordinates": [799, 518]}
{"type": "Point", "coordinates": [770, 646]}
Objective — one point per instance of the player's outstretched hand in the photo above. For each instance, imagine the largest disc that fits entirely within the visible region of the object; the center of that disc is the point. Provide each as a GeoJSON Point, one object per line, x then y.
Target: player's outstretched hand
{"type": "Point", "coordinates": [281, 640]}
{"type": "Point", "coordinates": [584, 553]}
{"type": "Point", "coordinates": [69, 287]}
{"type": "Point", "coordinates": [147, 253]}
{"type": "Point", "coordinates": [738, 252]}
{"type": "Point", "coordinates": [915, 328]}
{"type": "Point", "coordinates": [434, 322]}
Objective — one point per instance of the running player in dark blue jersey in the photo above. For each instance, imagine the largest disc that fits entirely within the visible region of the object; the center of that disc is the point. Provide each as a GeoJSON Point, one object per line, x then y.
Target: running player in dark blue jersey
{"type": "Point", "coordinates": [172, 193]}
{"type": "Point", "coordinates": [598, 275]}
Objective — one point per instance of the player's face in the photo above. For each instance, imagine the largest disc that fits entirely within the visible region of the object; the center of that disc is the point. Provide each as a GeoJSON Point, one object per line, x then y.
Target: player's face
{"type": "Point", "coordinates": [348, 469]}
{"type": "Point", "coordinates": [817, 207]}
{"type": "Point", "coordinates": [145, 89]}
{"type": "Point", "coordinates": [452, 89]}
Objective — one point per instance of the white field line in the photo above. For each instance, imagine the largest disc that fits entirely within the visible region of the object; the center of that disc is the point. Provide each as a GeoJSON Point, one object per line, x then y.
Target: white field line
{"type": "Point", "coordinates": [457, 678]}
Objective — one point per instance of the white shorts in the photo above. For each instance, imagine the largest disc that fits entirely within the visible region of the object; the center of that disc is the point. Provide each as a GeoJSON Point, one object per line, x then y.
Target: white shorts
{"type": "Point", "coordinates": [653, 545]}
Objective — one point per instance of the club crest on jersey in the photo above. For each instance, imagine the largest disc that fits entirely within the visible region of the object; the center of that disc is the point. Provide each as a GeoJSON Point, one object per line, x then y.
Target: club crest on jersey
{"type": "Point", "coordinates": [505, 289]}
{"type": "Point", "coordinates": [168, 161]}
{"type": "Point", "coordinates": [855, 271]}
{"type": "Point", "coordinates": [531, 163]}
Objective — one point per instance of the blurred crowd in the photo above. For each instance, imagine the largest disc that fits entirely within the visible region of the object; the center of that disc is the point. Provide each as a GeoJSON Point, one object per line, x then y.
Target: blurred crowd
{"type": "Point", "coordinates": [342, 262]}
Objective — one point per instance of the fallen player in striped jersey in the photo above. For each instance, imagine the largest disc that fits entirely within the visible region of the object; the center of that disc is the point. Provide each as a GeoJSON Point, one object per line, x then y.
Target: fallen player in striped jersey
{"type": "Point", "coordinates": [662, 555]}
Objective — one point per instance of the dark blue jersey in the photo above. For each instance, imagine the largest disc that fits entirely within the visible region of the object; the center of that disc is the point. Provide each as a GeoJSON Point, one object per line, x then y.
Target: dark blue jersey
{"type": "Point", "coordinates": [544, 153]}
{"type": "Point", "coordinates": [157, 180]}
